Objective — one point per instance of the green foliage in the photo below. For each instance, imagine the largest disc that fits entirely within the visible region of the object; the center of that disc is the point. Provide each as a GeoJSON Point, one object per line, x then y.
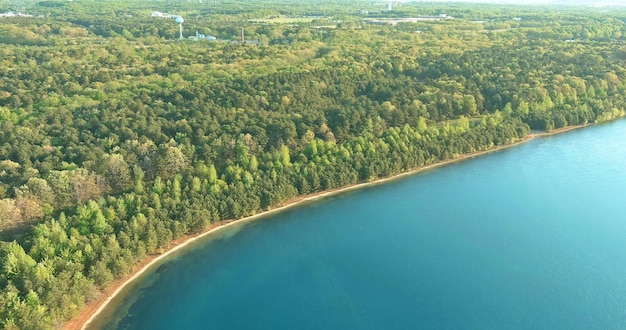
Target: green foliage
{"type": "Point", "coordinates": [140, 139]}
{"type": "Point", "coordinates": [284, 157]}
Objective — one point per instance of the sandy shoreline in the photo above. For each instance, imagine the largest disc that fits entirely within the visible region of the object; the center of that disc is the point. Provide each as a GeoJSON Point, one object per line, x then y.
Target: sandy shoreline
{"type": "Point", "coordinates": [94, 308]}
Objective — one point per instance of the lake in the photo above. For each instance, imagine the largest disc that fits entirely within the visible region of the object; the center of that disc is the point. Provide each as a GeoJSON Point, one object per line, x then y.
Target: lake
{"type": "Point", "coordinates": [529, 237]}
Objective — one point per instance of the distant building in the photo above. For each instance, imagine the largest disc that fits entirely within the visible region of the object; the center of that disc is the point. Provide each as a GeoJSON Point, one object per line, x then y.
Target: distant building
{"type": "Point", "coordinates": [163, 15]}
{"type": "Point", "coordinates": [14, 14]}
{"type": "Point", "coordinates": [200, 36]}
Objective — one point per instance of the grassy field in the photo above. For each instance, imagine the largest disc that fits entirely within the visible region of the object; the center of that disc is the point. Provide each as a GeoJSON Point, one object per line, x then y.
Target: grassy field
{"type": "Point", "coordinates": [285, 20]}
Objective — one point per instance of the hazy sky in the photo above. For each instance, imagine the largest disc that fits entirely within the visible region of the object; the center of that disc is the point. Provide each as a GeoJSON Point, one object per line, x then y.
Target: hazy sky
{"type": "Point", "coordinates": [545, 2]}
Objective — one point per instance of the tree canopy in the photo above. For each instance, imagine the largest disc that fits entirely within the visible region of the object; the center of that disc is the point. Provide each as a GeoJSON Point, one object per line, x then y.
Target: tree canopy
{"type": "Point", "coordinates": [116, 137]}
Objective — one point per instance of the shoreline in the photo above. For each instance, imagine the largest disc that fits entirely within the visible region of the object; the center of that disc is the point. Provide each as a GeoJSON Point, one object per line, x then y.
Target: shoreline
{"type": "Point", "coordinates": [94, 308]}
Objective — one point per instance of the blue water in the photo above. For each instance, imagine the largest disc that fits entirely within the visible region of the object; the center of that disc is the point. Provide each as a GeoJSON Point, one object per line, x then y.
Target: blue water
{"type": "Point", "coordinates": [532, 237]}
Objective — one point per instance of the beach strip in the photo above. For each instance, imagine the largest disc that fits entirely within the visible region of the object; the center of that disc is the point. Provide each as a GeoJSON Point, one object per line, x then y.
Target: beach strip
{"type": "Point", "coordinates": [94, 308]}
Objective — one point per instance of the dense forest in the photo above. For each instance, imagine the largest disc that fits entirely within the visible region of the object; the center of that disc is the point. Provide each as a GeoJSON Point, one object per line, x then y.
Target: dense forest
{"type": "Point", "coordinates": [117, 137]}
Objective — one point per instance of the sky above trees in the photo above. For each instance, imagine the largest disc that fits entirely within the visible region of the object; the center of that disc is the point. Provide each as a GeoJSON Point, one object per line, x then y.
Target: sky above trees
{"type": "Point", "coordinates": [545, 2]}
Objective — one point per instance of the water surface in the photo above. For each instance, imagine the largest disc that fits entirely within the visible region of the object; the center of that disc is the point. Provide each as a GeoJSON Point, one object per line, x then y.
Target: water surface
{"type": "Point", "coordinates": [529, 237]}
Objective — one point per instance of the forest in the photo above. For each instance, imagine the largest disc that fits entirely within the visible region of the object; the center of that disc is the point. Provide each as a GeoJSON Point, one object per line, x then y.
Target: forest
{"type": "Point", "coordinates": [116, 137]}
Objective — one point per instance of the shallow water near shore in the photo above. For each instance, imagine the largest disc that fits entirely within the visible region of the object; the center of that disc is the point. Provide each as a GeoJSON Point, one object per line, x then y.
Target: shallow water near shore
{"type": "Point", "coordinates": [528, 237]}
